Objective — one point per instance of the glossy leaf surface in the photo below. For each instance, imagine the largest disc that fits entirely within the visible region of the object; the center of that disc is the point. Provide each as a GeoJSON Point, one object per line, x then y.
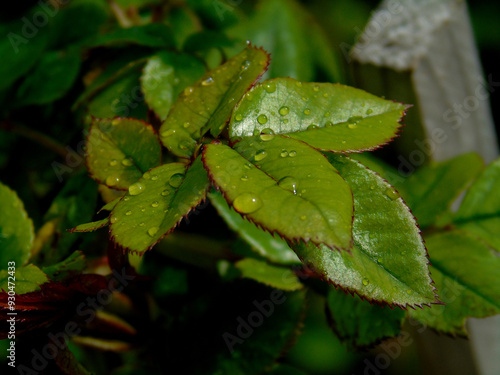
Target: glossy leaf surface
{"type": "Point", "coordinates": [156, 203]}
{"type": "Point", "coordinates": [329, 117]}
{"type": "Point", "coordinates": [270, 180]}
{"type": "Point", "coordinates": [119, 151]}
{"type": "Point", "coordinates": [210, 101]}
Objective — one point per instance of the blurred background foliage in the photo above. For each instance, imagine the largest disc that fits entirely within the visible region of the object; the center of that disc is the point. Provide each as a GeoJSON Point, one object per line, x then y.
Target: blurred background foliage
{"type": "Point", "coordinates": [87, 61]}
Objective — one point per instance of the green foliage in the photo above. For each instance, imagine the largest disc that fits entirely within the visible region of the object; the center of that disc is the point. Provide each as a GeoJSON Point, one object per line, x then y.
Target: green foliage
{"type": "Point", "coordinates": [16, 229]}
{"type": "Point", "coordinates": [296, 215]}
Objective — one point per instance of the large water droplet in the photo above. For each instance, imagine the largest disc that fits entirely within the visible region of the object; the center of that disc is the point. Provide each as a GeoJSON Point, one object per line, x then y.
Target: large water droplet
{"type": "Point", "coordinates": [114, 219]}
{"type": "Point", "coordinates": [260, 155]}
{"type": "Point", "coordinates": [155, 204]}
{"type": "Point", "coordinates": [128, 213]}
{"type": "Point", "coordinates": [292, 153]}
{"type": "Point", "coordinates": [154, 178]}
{"type": "Point", "coordinates": [186, 124]}
{"type": "Point", "coordinates": [307, 111]}
{"type": "Point", "coordinates": [176, 180]}
{"type": "Point", "coordinates": [352, 126]}
{"type": "Point", "coordinates": [270, 87]}
{"type": "Point", "coordinates": [369, 111]}
{"type": "Point", "coordinates": [244, 178]}
{"type": "Point", "coordinates": [284, 153]}
{"type": "Point", "coordinates": [284, 110]}
{"type": "Point", "coordinates": [113, 162]}
{"type": "Point", "coordinates": [289, 183]}
{"type": "Point", "coordinates": [112, 180]}
{"type": "Point", "coordinates": [247, 203]}
{"type": "Point", "coordinates": [312, 126]}
{"type": "Point", "coordinates": [153, 230]}
{"type": "Point", "coordinates": [136, 189]}
{"type": "Point", "coordinates": [238, 117]}
{"type": "Point", "coordinates": [266, 137]}
{"type": "Point", "coordinates": [316, 88]}
{"type": "Point", "coordinates": [262, 119]}
{"type": "Point", "coordinates": [329, 123]}
{"type": "Point", "coordinates": [209, 81]}
{"type": "Point", "coordinates": [366, 281]}
{"type": "Point", "coordinates": [165, 192]}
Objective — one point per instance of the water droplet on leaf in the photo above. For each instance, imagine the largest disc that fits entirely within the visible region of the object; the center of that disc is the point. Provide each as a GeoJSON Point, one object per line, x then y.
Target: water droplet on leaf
{"type": "Point", "coordinates": [209, 81]}
{"type": "Point", "coordinates": [176, 180]}
{"type": "Point", "coordinates": [247, 203]}
{"type": "Point", "coordinates": [292, 154]}
{"type": "Point", "coordinates": [284, 110]}
{"type": "Point", "coordinates": [153, 230]}
{"type": "Point", "coordinates": [262, 119]}
{"type": "Point", "coordinates": [260, 155]}
{"type": "Point", "coordinates": [288, 183]}
{"type": "Point", "coordinates": [136, 188]}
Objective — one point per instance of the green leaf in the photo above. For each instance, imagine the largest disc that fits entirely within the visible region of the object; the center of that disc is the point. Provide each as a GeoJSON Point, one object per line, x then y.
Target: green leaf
{"type": "Point", "coordinates": [207, 39]}
{"type": "Point", "coordinates": [149, 35]}
{"type": "Point", "coordinates": [479, 212]}
{"type": "Point", "coordinates": [209, 102]}
{"type": "Point", "coordinates": [156, 203]}
{"type": "Point", "coordinates": [90, 227]}
{"type": "Point", "coordinates": [269, 179]}
{"type": "Point", "coordinates": [121, 98]}
{"type": "Point", "coordinates": [20, 53]}
{"type": "Point", "coordinates": [75, 203]}
{"type": "Point", "coordinates": [467, 275]}
{"type": "Point", "coordinates": [388, 262]}
{"type": "Point", "coordinates": [432, 189]}
{"type": "Point", "coordinates": [53, 76]}
{"type": "Point", "coordinates": [27, 279]}
{"type": "Point", "coordinates": [74, 264]}
{"type": "Point", "coordinates": [285, 370]}
{"type": "Point", "coordinates": [330, 117]}
{"type": "Point", "coordinates": [119, 151]}
{"type": "Point", "coordinates": [282, 28]}
{"type": "Point", "coordinates": [165, 76]}
{"type": "Point", "coordinates": [16, 229]}
{"type": "Point", "coordinates": [358, 323]}
{"type": "Point", "coordinates": [276, 277]}
{"type": "Point", "coordinates": [263, 243]}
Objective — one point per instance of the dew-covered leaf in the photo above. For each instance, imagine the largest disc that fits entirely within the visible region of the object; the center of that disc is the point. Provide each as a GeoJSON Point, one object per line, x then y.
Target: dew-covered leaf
{"type": "Point", "coordinates": [479, 212]}
{"type": "Point", "coordinates": [265, 273]}
{"type": "Point", "coordinates": [209, 102]}
{"type": "Point", "coordinates": [358, 323]}
{"type": "Point", "coordinates": [329, 117]}
{"type": "Point", "coordinates": [284, 186]}
{"type": "Point", "coordinates": [119, 151]}
{"type": "Point", "coordinates": [263, 243]}
{"type": "Point", "coordinates": [27, 279]}
{"type": "Point", "coordinates": [388, 262]}
{"type": "Point", "coordinates": [165, 76]}
{"type": "Point", "coordinates": [16, 229]}
{"type": "Point", "coordinates": [432, 189]}
{"type": "Point", "coordinates": [156, 203]}
{"type": "Point", "coordinates": [467, 275]}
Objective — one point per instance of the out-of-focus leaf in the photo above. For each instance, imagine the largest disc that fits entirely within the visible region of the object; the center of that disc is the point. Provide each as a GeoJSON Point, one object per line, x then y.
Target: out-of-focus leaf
{"type": "Point", "coordinates": [207, 39]}
{"type": "Point", "coordinates": [289, 33]}
{"type": "Point", "coordinates": [388, 262]}
{"type": "Point", "coordinates": [156, 203]}
{"type": "Point", "coordinates": [216, 14]}
{"type": "Point", "coordinates": [467, 275]}
{"type": "Point", "coordinates": [265, 273]}
{"type": "Point", "coordinates": [21, 47]}
{"type": "Point", "coordinates": [165, 76]}
{"type": "Point", "coordinates": [358, 323]}
{"type": "Point", "coordinates": [16, 230]}
{"type": "Point", "coordinates": [150, 35]}
{"type": "Point", "coordinates": [432, 189]}
{"type": "Point", "coordinates": [92, 226]}
{"type": "Point", "coordinates": [26, 279]}
{"type": "Point", "coordinates": [74, 264]}
{"type": "Point", "coordinates": [53, 76]}
{"type": "Point", "coordinates": [479, 212]}
{"type": "Point", "coordinates": [327, 116]}
{"type": "Point", "coordinates": [122, 98]}
{"type": "Point", "coordinates": [71, 23]}
{"type": "Point", "coordinates": [263, 243]}
{"type": "Point", "coordinates": [209, 102]}
{"type": "Point", "coordinates": [269, 179]}
{"type": "Point", "coordinates": [120, 151]}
